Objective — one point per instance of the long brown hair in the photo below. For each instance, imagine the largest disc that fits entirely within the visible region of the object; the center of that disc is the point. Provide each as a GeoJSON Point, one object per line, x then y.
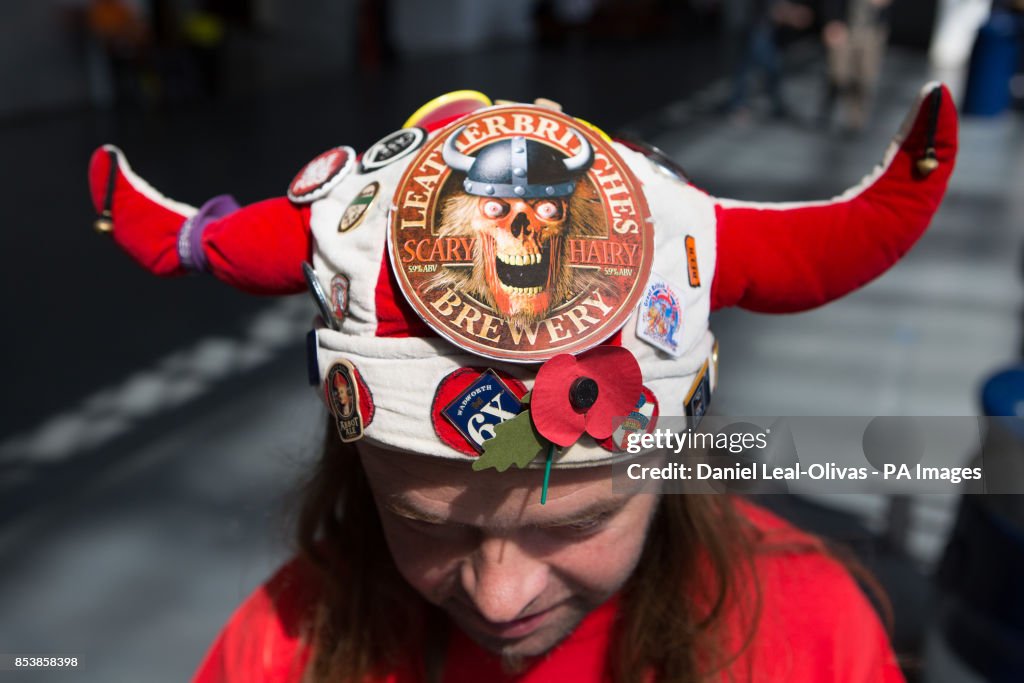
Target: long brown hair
{"type": "Point", "coordinates": [695, 567]}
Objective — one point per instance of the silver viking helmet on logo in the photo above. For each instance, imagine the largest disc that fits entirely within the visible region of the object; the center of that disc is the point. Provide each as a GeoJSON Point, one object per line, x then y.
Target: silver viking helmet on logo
{"type": "Point", "coordinates": [518, 167]}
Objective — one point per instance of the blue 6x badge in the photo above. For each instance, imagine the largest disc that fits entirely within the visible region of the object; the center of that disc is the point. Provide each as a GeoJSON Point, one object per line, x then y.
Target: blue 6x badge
{"type": "Point", "coordinates": [480, 407]}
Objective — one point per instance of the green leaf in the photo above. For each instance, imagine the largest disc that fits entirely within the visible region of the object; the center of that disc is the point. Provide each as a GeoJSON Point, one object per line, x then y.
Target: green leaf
{"type": "Point", "coordinates": [515, 442]}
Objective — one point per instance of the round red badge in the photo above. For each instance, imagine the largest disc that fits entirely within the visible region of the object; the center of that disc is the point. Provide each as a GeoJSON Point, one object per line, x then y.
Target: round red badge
{"type": "Point", "coordinates": [319, 176]}
{"type": "Point", "coordinates": [519, 233]}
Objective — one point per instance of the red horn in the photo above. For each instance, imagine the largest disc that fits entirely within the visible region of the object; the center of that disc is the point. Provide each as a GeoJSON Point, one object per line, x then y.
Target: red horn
{"type": "Point", "coordinates": [782, 258]}
{"type": "Point", "coordinates": [258, 248]}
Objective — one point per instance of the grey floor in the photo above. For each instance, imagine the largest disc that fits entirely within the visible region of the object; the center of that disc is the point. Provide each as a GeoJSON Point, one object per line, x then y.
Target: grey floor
{"type": "Point", "coordinates": [146, 543]}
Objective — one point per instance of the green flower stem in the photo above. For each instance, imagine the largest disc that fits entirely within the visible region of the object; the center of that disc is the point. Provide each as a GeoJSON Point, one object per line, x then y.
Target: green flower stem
{"type": "Point", "coordinates": [547, 474]}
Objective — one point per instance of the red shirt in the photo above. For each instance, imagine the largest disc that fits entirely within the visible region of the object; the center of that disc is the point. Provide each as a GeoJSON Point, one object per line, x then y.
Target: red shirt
{"type": "Point", "coordinates": [815, 625]}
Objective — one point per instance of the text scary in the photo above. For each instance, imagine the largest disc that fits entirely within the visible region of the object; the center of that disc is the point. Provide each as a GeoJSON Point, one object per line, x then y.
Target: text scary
{"type": "Point", "coordinates": [443, 250]}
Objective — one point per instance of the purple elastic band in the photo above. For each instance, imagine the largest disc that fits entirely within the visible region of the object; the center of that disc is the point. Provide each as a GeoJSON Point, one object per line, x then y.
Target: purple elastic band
{"type": "Point", "coordinates": [190, 236]}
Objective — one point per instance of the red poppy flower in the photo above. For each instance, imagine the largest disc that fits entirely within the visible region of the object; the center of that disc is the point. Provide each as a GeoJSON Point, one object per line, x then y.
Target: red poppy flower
{"type": "Point", "coordinates": [577, 394]}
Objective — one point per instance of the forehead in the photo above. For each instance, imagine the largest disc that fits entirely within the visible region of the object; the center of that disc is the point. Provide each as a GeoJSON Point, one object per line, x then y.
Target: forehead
{"type": "Point", "coordinates": [453, 491]}
{"type": "Point", "coordinates": [532, 201]}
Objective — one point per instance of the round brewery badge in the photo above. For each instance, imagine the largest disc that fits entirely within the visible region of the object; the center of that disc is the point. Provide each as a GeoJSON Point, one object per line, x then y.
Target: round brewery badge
{"type": "Point", "coordinates": [519, 233]}
{"type": "Point", "coordinates": [319, 176]}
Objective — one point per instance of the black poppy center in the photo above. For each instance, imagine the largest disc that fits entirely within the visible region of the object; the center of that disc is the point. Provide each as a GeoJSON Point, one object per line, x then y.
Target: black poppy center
{"type": "Point", "coordinates": [583, 394]}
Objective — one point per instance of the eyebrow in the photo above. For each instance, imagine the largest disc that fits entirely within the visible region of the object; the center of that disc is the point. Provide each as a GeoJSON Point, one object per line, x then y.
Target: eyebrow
{"type": "Point", "coordinates": [400, 505]}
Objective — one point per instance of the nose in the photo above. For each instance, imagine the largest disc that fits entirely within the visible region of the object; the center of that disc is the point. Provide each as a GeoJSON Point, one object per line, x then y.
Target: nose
{"type": "Point", "coordinates": [521, 223]}
{"type": "Point", "coordinates": [502, 580]}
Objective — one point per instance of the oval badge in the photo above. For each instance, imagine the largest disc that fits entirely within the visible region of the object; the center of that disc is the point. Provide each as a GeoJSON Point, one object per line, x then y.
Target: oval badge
{"type": "Point", "coordinates": [519, 233]}
{"type": "Point", "coordinates": [357, 208]}
{"type": "Point", "coordinates": [393, 147]}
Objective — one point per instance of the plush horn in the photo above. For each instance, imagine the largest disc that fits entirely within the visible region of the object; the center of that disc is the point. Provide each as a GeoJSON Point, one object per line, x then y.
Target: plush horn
{"type": "Point", "coordinates": [780, 258]}
{"type": "Point", "coordinates": [455, 159]}
{"type": "Point", "coordinates": [259, 248]}
{"type": "Point", "coordinates": [580, 161]}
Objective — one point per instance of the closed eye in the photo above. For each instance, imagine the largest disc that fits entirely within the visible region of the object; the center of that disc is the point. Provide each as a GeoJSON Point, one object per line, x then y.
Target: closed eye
{"type": "Point", "coordinates": [584, 526]}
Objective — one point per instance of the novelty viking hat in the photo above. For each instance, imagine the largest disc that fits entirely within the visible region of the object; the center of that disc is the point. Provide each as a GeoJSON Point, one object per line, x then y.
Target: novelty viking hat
{"type": "Point", "coordinates": [503, 283]}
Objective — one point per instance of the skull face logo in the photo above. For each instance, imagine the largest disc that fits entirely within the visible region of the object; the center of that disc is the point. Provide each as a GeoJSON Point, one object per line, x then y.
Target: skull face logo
{"type": "Point", "coordinates": [521, 242]}
{"type": "Point", "coordinates": [520, 199]}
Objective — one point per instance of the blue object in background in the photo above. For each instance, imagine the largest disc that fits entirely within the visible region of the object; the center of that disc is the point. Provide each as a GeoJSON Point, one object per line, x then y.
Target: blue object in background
{"type": "Point", "coordinates": [980, 612]}
{"type": "Point", "coordinates": [1003, 396]}
{"type": "Point", "coordinates": [1003, 393]}
{"type": "Point", "coordinates": [993, 62]}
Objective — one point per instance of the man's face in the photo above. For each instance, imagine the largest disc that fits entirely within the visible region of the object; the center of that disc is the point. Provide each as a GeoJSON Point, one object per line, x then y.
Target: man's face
{"type": "Point", "coordinates": [515, 575]}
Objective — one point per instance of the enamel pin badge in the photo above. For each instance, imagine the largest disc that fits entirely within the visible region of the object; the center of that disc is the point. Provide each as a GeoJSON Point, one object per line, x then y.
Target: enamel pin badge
{"type": "Point", "coordinates": [320, 175]}
{"type": "Point", "coordinates": [316, 290]}
{"type": "Point", "coordinates": [356, 211]}
{"type": "Point", "coordinates": [391, 148]}
{"type": "Point", "coordinates": [699, 397]}
{"type": "Point", "coordinates": [483, 405]}
{"type": "Point", "coordinates": [339, 297]}
{"type": "Point", "coordinates": [641, 419]}
{"type": "Point", "coordinates": [342, 389]}
{"type": "Point", "coordinates": [660, 319]}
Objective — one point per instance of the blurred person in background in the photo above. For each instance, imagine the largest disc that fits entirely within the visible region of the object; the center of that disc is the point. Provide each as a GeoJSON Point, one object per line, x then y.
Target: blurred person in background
{"type": "Point", "coordinates": [122, 37]}
{"type": "Point", "coordinates": [855, 34]}
{"type": "Point", "coordinates": [204, 30]}
{"type": "Point", "coordinates": [751, 29]}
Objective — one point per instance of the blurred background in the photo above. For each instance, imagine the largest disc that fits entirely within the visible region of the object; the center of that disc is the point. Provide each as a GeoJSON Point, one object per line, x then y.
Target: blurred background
{"type": "Point", "coordinates": [155, 433]}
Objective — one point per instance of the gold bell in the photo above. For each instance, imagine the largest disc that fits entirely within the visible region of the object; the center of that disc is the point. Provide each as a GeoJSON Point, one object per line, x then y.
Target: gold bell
{"type": "Point", "coordinates": [103, 224]}
{"type": "Point", "coordinates": [927, 163]}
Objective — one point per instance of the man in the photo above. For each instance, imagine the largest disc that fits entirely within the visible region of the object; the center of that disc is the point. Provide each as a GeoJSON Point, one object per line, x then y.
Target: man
{"type": "Point", "coordinates": [751, 36]}
{"type": "Point", "coordinates": [476, 575]}
{"type": "Point", "coordinates": [461, 524]}
{"type": "Point", "coordinates": [855, 34]}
